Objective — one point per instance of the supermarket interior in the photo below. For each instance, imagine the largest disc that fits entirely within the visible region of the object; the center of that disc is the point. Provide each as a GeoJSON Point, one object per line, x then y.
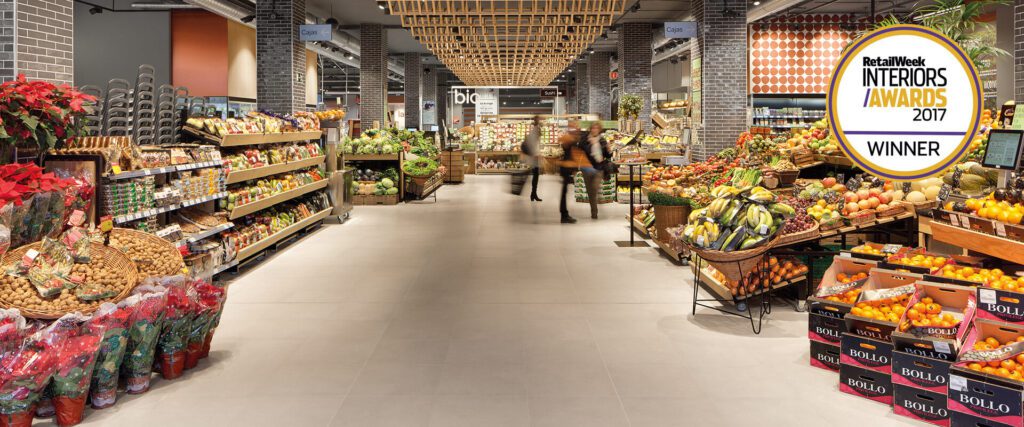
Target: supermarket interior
{"type": "Point", "coordinates": [511, 212]}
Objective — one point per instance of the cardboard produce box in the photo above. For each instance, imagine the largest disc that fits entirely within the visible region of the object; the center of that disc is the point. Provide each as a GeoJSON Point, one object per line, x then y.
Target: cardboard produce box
{"type": "Point", "coordinates": [920, 372]}
{"type": "Point", "coordinates": [921, 405]}
{"type": "Point", "coordinates": [881, 285]}
{"type": "Point", "coordinates": [936, 341]}
{"type": "Point", "coordinates": [825, 356]}
{"type": "Point", "coordinates": [996, 399]}
{"type": "Point", "coordinates": [865, 383]}
{"type": "Point", "coordinates": [866, 353]}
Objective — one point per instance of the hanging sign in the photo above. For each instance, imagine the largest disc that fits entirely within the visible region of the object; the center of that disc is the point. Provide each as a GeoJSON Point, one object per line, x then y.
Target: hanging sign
{"type": "Point", "coordinates": [904, 102]}
{"type": "Point", "coordinates": [681, 30]}
{"type": "Point", "coordinates": [486, 103]}
{"type": "Point", "coordinates": [315, 32]}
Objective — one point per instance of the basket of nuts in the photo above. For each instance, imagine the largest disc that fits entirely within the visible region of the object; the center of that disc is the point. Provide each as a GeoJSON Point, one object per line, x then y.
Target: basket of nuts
{"type": "Point", "coordinates": [153, 256]}
{"type": "Point", "coordinates": [109, 276]}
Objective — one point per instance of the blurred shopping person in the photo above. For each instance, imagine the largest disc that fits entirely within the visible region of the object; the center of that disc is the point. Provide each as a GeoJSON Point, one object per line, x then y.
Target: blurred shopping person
{"type": "Point", "coordinates": [573, 158]}
{"type": "Point", "coordinates": [595, 147]}
{"type": "Point", "coordinates": [531, 155]}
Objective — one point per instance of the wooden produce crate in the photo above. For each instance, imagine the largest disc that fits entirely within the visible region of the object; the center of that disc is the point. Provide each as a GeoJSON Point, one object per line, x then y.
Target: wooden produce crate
{"type": "Point", "coordinates": [375, 200]}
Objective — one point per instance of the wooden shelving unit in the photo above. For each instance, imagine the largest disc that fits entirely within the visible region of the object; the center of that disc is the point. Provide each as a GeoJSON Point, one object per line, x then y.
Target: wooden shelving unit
{"type": "Point", "coordinates": [161, 170]}
{"type": "Point", "coordinates": [238, 140]}
{"type": "Point", "coordinates": [256, 248]}
{"type": "Point", "coordinates": [248, 208]}
{"type": "Point", "coordinates": [999, 247]}
{"type": "Point", "coordinates": [121, 219]}
{"type": "Point", "coordinates": [235, 177]}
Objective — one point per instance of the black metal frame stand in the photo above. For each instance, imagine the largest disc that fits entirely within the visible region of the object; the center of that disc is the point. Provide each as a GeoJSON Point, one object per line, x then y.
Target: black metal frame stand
{"type": "Point", "coordinates": [743, 306]}
{"type": "Point", "coordinates": [632, 243]}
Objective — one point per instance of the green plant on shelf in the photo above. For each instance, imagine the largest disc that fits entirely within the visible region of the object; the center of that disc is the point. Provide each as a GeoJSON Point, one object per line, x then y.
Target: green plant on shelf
{"type": "Point", "coordinates": [630, 106]}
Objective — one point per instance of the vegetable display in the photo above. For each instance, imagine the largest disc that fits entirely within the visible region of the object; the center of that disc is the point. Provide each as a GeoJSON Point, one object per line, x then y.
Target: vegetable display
{"type": "Point", "coordinates": [421, 167]}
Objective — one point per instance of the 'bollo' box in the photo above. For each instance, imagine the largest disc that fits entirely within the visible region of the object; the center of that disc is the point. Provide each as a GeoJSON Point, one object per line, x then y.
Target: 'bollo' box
{"type": "Point", "coordinates": [920, 405]}
{"type": "Point", "coordinates": [920, 372]}
{"type": "Point", "coordinates": [1001, 305]}
{"type": "Point", "coordinates": [960, 419]}
{"type": "Point", "coordinates": [825, 329]}
{"type": "Point", "coordinates": [865, 383]}
{"type": "Point", "coordinates": [881, 285]}
{"type": "Point", "coordinates": [936, 341]}
{"type": "Point", "coordinates": [866, 353]}
{"type": "Point", "coordinates": [974, 392]}
{"type": "Point", "coordinates": [825, 356]}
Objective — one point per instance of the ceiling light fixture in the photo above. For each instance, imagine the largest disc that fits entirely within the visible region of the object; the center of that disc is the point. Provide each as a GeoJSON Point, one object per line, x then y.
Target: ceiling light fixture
{"type": "Point", "coordinates": [635, 7]}
{"type": "Point", "coordinates": [348, 55]}
{"type": "Point", "coordinates": [95, 9]}
{"type": "Point", "coordinates": [757, 3]}
{"type": "Point", "coordinates": [245, 19]}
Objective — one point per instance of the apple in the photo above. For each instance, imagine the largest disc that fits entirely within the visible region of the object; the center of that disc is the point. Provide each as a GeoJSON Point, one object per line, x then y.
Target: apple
{"type": "Point", "coordinates": [864, 204]}
{"type": "Point", "coordinates": [828, 182]}
{"type": "Point", "coordinates": [839, 188]}
{"type": "Point", "coordinates": [885, 197]}
{"type": "Point", "coordinates": [873, 200]}
{"type": "Point", "coordinates": [882, 207]}
{"type": "Point", "coordinates": [863, 194]}
{"type": "Point", "coordinates": [850, 196]}
{"type": "Point", "coordinates": [851, 207]}
{"type": "Point", "coordinates": [875, 191]}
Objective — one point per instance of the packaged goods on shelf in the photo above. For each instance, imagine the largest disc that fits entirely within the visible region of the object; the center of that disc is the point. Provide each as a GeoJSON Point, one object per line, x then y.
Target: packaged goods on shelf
{"type": "Point", "coordinates": [256, 123]}
{"type": "Point", "coordinates": [253, 191]}
{"type": "Point", "coordinates": [261, 225]}
{"type": "Point", "coordinates": [330, 115]}
{"type": "Point", "coordinates": [254, 158]}
{"type": "Point", "coordinates": [129, 196]}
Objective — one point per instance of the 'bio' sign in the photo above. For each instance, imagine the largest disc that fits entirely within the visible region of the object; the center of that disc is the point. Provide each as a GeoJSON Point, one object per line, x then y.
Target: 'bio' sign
{"type": "Point", "coordinates": [904, 102]}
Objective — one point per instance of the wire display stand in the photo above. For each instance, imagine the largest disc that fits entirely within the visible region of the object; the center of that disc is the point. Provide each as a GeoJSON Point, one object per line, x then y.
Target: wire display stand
{"type": "Point", "coordinates": [745, 305]}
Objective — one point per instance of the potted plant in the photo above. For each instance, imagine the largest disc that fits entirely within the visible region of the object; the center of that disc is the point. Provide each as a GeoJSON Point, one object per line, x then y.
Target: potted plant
{"type": "Point", "coordinates": [39, 113]}
{"type": "Point", "coordinates": [630, 106]}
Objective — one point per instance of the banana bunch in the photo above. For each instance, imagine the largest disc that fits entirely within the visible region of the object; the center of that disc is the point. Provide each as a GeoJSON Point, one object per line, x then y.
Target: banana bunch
{"type": "Point", "coordinates": [761, 195]}
{"type": "Point", "coordinates": [736, 220]}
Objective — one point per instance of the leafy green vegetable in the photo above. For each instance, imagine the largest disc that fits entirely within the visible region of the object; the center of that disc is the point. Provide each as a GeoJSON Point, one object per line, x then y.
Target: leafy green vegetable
{"type": "Point", "coordinates": [420, 167]}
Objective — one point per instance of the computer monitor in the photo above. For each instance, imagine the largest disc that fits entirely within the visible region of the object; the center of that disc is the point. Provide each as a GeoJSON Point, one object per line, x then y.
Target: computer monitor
{"type": "Point", "coordinates": [1004, 147]}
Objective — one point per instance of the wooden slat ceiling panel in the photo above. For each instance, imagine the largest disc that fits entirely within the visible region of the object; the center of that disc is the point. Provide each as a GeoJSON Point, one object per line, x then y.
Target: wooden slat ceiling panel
{"type": "Point", "coordinates": [507, 42]}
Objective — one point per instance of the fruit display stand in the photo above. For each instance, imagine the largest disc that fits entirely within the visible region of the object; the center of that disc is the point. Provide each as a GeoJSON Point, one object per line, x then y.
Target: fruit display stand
{"type": "Point", "coordinates": [241, 176]}
{"type": "Point", "coordinates": [988, 244]}
{"type": "Point", "coordinates": [735, 266]}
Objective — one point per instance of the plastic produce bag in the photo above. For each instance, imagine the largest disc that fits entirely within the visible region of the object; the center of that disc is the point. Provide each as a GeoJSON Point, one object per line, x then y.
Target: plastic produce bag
{"type": "Point", "coordinates": [103, 390]}
{"type": "Point", "coordinates": [6, 222]}
{"type": "Point", "coordinates": [205, 300]}
{"type": "Point", "coordinates": [37, 217]}
{"type": "Point", "coordinates": [214, 322]}
{"type": "Point", "coordinates": [174, 335]}
{"type": "Point", "coordinates": [12, 332]}
{"type": "Point", "coordinates": [19, 222]}
{"type": "Point", "coordinates": [75, 365]}
{"type": "Point", "coordinates": [25, 373]}
{"type": "Point", "coordinates": [143, 332]}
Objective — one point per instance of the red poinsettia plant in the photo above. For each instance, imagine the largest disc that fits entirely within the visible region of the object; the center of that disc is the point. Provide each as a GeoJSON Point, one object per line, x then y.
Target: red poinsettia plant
{"type": "Point", "coordinates": [40, 112]}
{"type": "Point", "coordinates": [20, 180]}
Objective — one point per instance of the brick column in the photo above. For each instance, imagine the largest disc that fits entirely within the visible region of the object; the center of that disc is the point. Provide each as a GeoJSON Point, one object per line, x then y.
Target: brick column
{"type": "Point", "coordinates": [599, 92]}
{"type": "Point", "coordinates": [430, 91]}
{"type": "Point", "coordinates": [721, 46]}
{"type": "Point", "coordinates": [582, 88]}
{"type": "Point", "coordinates": [635, 65]}
{"type": "Point", "coordinates": [1018, 50]}
{"type": "Point", "coordinates": [413, 70]}
{"type": "Point", "coordinates": [373, 75]}
{"type": "Point", "coordinates": [36, 39]}
{"type": "Point", "coordinates": [570, 98]}
{"type": "Point", "coordinates": [442, 102]}
{"type": "Point", "coordinates": [280, 56]}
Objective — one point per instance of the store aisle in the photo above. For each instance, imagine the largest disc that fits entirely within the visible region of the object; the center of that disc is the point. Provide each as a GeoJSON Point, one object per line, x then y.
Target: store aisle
{"type": "Point", "coordinates": [483, 310]}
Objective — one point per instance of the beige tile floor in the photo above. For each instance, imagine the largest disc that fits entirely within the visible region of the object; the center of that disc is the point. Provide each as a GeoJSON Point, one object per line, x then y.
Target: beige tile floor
{"type": "Point", "coordinates": [483, 310]}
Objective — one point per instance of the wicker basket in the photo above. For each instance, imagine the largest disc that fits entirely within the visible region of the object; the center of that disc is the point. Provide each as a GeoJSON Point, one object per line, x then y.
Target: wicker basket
{"type": "Point", "coordinates": [736, 264]}
{"type": "Point", "coordinates": [861, 217]}
{"type": "Point", "coordinates": [170, 250]}
{"type": "Point", "coordinates": [800, 235]}
{"type": "Point", "coordinates": [666, 217]}
{"type": "Point", "coordinates": [920, 206]}
{"type": "Point", "coordinates": [893, 210]}
{"type": "Point", "coordinates": [113, 260]}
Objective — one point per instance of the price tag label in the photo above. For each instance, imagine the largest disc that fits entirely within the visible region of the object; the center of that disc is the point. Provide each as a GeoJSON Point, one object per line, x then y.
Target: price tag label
{"type": "Point", "coordinates": [840, 177]}
{"type": "Point", "coordinates": [957, 173]}
{"type": "Point", "coordinates": [762, 230]}
{"type": "Point", "coordinates": [987, 296]}
{"type": "Point", "coordinates": [891, 248]}
{"type": "Point", "coordinates": [906, 187]}
{"type": "Point", "coordinates": [942, 347]}
{"type": "Point", "coordinates": [116, 169]}
{"type": "Point", "coordinates": [944, 192]}
{"type": "Point", "coordinates": [957, 383]}
{"type": "Point", "coordinates": [954, 220]}
{"type": "Point", "coordinates": [845, 255]}
{"type": "Point", "coordinates": [1000, 229]}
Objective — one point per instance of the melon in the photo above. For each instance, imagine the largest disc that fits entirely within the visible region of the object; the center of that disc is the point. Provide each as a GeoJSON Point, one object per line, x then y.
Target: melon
{"type": "Point", "coordinates": [916, 197]}
{"type": "Point", "coordinates": [931, 193]}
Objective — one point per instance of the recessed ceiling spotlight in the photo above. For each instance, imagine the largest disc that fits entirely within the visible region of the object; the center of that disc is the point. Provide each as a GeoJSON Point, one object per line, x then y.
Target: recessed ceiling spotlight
{"type": "Point", "coordinates": [348, 55]}
{"type": "Point", "coordinates": [590, 50]}
{"type": "Point", "coordinates": [757, 3]}
{"type": "Point", "coordinates": [381, 5]}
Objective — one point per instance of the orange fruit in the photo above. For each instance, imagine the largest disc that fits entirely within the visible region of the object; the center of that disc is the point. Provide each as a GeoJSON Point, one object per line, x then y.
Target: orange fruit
{"type": "Point", "coordinates": [992, 342]}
